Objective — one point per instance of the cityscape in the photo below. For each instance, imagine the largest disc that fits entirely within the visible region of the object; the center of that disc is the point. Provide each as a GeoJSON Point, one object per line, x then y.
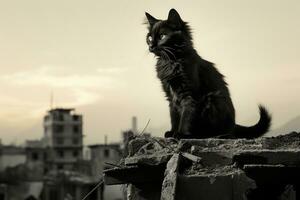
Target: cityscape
{"type": "Point", "coordinates": [59, 165]}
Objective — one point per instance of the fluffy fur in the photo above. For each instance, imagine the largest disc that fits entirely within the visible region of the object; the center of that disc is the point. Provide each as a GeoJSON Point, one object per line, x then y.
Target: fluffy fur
{"type": "Point", "coordinates": [198, 96]}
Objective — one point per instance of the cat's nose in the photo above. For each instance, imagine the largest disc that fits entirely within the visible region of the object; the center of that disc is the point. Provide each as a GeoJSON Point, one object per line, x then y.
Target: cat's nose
{"type": "Point", "coordinates": [152, 48]}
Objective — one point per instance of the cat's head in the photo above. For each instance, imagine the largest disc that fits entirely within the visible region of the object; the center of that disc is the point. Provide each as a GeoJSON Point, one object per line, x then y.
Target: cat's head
{"type": "Point", "coordinates": [167, 37]}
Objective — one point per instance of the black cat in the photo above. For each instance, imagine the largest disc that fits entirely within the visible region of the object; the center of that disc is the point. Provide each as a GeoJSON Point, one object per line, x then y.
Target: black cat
{"type": "Point", "coordinates": [199, 100]}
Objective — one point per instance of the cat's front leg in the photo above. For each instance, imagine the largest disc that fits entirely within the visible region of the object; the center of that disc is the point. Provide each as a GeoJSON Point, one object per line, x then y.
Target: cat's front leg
{"type": "Point", "coordinates": [175, 120]}
{"type": "Point", "coordinates": [188, 109]}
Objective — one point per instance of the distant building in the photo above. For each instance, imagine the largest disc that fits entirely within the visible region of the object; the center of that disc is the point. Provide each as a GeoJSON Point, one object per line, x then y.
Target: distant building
{"type": "Point", "coordinates": [18, 179]}
{"type": "Point", "coordinates": [134, 125]}
{"type": "Point", "coordinates": [102, 155]}
{"type": "Point", "coordinates": [11, 156]}
{"type": "Point", "coordinates": [63, 138]}
{"type": "Point", "coordinates": [126, 137]}
{"type": "Point", "coordinates": [36, 156]}
{"type": "Point", "coordinates": [35, 151]}
{"type": "Point", "coordinates": [70, 185]}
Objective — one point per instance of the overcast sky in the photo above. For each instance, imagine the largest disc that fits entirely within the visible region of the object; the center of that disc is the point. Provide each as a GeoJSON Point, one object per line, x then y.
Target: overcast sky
{"type": "Point", "coordinates": [93, 56]}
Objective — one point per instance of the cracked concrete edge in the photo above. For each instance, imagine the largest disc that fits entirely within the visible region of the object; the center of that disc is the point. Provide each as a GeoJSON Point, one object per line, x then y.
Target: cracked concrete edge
{"type": "Point", "coordinates": [168, 191]}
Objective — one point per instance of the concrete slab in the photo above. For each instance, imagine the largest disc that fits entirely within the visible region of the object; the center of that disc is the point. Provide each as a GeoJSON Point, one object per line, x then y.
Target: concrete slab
{"type": "Point", "coordinates": [154, 159]}
{"type": "Point", "coordinates": [168, 191]}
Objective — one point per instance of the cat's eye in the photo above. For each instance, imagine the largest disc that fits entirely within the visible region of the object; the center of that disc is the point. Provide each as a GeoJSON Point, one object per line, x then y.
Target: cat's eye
{"type": "Point", "coordinates": [162, 36]}
{"type": "Point", "coordinates": [150, 38]}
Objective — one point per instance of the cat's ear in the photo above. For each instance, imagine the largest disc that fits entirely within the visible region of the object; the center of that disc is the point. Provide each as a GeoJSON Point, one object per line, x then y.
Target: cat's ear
{"type": "Point", "coordinates": [174, 18]}
{"type": "Point", "coordinates": [151, 19]}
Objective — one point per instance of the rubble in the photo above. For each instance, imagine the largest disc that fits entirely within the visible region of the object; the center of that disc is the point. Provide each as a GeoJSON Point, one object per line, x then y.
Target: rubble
{"type": "Point", "coordinates": [151, 146]}
{"type": "Point", "coordinates": [196, 168]}
{"type": "Point", "coordinates": [290, 141]}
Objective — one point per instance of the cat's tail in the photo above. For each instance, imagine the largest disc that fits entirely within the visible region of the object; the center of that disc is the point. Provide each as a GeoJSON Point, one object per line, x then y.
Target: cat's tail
{"type": "Point", "coordinates": [257, 130]}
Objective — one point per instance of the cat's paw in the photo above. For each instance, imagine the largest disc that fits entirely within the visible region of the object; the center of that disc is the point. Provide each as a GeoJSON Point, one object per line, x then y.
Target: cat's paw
{"type": "Point", "coordinates": [178, 135]}
{"type": "Point", "coordinates": [169, 134]}
{"type": "Point", "coordinates": [183, 135]}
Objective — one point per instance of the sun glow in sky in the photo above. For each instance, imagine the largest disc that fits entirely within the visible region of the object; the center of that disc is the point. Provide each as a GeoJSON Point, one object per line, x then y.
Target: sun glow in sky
{"type": "Point", "coordinates": [92, 55]}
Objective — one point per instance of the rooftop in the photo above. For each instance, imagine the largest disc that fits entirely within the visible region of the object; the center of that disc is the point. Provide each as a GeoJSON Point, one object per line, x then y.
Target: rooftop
{"type": "Point", "coordinates": [69, 176]}
{"type": "Point", "coordinates": [11, 150]}
{"type": "Point", "coordinates": [64, 110]}
{"type": "Point", "coordinates": [35, 144]}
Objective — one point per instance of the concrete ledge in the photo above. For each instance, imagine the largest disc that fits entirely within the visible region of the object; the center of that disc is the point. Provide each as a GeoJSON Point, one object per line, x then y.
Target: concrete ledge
{"type": "Point", "coordinates": [210, 169]}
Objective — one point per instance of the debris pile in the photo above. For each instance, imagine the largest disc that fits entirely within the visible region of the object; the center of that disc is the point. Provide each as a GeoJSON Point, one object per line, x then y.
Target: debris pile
{"type": "Point", "coordinates": [187, 169]}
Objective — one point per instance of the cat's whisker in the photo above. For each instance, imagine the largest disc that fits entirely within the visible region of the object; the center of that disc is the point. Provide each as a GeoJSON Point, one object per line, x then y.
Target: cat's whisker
{"type": "Point", "coordinates": [170, 48]}
{"type": "Point", "coordinates": [171, 53]}
{"type": "Point", "coordinates": [162, 56]}
{"type": "Point", "coordinates": [166, 55]}
{"type": "Point", "coordinates": [180, 45]}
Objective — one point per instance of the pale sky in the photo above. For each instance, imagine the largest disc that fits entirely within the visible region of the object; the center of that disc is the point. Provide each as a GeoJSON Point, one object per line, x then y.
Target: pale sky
{"type": "Point", "coordinates": [92, 54]}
